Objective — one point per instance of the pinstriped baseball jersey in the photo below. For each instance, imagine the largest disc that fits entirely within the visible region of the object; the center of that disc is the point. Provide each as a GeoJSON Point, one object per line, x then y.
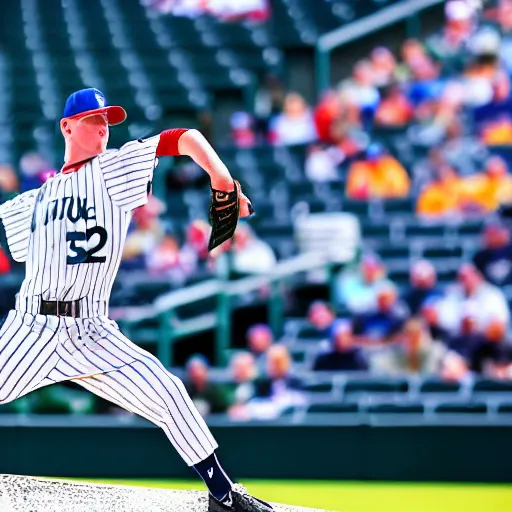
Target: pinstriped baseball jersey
{"type": "Point", "coordinates": [71, 234]}
{"type": "Point", "coordinates": [71, 231]}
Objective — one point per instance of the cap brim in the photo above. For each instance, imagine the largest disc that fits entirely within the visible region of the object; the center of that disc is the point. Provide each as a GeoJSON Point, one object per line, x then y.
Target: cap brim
{"type": "Point", "coordinates": [115, 114]}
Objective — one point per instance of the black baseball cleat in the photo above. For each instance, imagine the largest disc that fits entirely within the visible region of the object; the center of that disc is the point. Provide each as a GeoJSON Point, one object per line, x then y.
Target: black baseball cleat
{"type": "Point", "coordinates": [238, 500]}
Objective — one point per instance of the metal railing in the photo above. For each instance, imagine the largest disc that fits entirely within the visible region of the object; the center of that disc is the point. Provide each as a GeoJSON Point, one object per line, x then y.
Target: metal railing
{"type": "Point", "coordinates": [405, 10]}
{"type": "Point", "coordinates": [171, 327]}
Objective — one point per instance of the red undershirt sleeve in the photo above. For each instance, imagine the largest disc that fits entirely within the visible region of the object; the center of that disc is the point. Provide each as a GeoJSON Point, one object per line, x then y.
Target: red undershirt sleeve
{"type": "Point", "coordinates": [168, 145]}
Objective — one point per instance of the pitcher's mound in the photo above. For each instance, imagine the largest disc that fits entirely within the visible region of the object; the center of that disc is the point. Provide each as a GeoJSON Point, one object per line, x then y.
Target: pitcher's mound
{"type": "Point", "coordinates": [29, 494]}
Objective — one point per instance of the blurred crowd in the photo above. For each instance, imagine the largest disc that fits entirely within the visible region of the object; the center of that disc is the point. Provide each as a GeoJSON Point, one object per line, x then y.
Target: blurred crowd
{"type": "Point", "coordinates": [225, 10]}
{"type": "Point", "coordinates": [453, 333]}
{"type": "Point", "coordinates": [449, 96]}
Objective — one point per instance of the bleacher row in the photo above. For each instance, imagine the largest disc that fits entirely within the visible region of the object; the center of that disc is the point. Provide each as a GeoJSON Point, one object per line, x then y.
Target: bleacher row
{"type": "Point", "coordinates": [157, 67]}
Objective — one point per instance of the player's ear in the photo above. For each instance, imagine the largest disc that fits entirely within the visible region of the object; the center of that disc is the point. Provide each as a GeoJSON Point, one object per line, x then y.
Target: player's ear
{"type": "Point", "coordinates": [64, 127]}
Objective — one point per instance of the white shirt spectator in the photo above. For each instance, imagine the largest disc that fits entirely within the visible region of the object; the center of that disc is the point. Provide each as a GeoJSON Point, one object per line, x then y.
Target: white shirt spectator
{"type": "Point", "coordinates": [257, 257]}
{"type": "Point", "coordinates": [296, 124]}
{"type": "Point", "coordinates": [294, 130]}
{"type": "Point", "coordinates": [320, 165]}
{"type": "Point", "coordinates": [487, 303]}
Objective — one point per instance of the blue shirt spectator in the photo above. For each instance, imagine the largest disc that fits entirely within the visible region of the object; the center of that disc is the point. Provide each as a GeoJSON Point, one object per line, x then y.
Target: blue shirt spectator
{"type": "Point", "coordinates": [344, 355]}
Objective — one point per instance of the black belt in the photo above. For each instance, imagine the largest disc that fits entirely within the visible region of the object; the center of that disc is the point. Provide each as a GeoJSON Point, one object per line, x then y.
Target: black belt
{"type": "Point", "coordinates": [60, 308]}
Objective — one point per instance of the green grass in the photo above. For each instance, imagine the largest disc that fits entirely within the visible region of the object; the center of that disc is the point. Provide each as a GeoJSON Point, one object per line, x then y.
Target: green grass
{"type": "Point", "coordinates": [364, 496]}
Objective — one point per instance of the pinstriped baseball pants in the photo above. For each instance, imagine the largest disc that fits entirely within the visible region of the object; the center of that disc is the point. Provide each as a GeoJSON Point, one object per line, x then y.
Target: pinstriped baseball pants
{"type": "Point", "coordinates": [39, 350]}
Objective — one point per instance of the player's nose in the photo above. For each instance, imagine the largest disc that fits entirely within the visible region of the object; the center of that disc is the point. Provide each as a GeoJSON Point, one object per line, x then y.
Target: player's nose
{"type": "Point", "coordinates": [102, 132]}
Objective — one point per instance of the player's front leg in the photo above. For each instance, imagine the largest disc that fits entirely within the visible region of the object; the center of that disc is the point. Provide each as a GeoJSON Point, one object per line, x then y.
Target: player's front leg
{"type": "Point", "coordinates": [145, 387]}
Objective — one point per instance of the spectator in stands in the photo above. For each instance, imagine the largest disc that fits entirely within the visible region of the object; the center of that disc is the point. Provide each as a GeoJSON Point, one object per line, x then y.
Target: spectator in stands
{"type": "Point", "coordinates": [337, 122]}
{"type": "Point", "coordinates": [440, 198]}
{"type": "Point", "coordinates": [496, 349]}
{"type": "Point", "coordinates": [503, 16]}
{"type": "Point", "coordinates": [295, 125]}
{"type": "Point", "coordinates": [415, 60]}
{"type": "Point", "coordinates": [357, 290]}
{"type": "Point", "coordinates": [450, 45]}
{"type": "Point", "coordinates": [344, 355]}
{"type": "Point", "coordinates": [482, 69]}
{"type": "Point", "coordinates": [414, 352]}
{"type": "Point", "coordinates": [384, 66]}
{"type": "Point", "coordinates": [378, 175]}
{"type": "Point", "coordinates": [485, 192]}
{"type": "Point", "coordinates": [360, 90]}
{"type": "Point", "coordinates": [34, 170]}
{"type": "Point", "coordinates": [279, 389]}
{"type": "Point", "coordinates": [251, 255]}
{"type": "Point", "coordinates": [144, 236]}
{"type": "Point", "coordinates": [493, 120]}
{"type": "Point", "coordinates": [9, 184]}
{"type": "Point", "coordinates": [259, 338]}
{"type": "Point", "coordinates": [455, 368]}
{"type": "Point", "coordinates": [494, 260]}
{"type": "Point", "coordinates": [472, 290]}
{"type": "Point", "coordinates": [165, 259]}
{"type": "Point", "coordinates": [394, 109]}
{"type": "Point", "coordinates": [208, 397]}
{"type": "Point", "coordinates": [435, 115]}
{"type": "Point", "coordinates": [326, 112]}
{"type": "Point", "coordinates": [5, 264]}
{"type": "Point", "coordinates": [243, 374]}
{"type": "Point", "coordinates": [479, 349]}
{"type": "Point", "coordinates": [321, 317]}
{"type": "Point", "coordinates": [383, 322]}
{"type": "Point", "coordinates": [494, 187]}
{"type": "Point", "coordinates": [242, 130]}
{"type": "Point", "coordinates": [462, 150]}
{"type": "Point", "coordinates": [467, 340]}
{"type": "Point", "coordinates": [422, 286]}
{"type": "Point", "coordinates": [425, 170]}
{"type": "Point", "coordinates": [194, 252]}
{"type": "Point", "coordinates": [321, 163]}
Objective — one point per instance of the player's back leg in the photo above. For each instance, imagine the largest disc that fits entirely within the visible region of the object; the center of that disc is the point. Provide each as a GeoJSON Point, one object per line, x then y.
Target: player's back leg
{"type": "Point", "coordinates": [27, 353]}
{"type": "Point", "coordinates": [143, 386]}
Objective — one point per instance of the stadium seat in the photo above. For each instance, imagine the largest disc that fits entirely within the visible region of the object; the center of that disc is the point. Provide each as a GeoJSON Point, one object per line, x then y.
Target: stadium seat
{"type": "Point", "coordinates": [318, 387]}
{"type": "Point", "coordinates": [430, 387]}
{"type": "Point", "coordinates": [492, 386]}
{"type": "Point", "coordinates": [383, 388]}
{"type": "Point", "coordinates": [505, 408]}
{"type": "Point", "coordinates": [396, 408]}
{"type": "Point", "coordinates": [461, 408]}
{"type": "Point", "coordinates": [333, 407]}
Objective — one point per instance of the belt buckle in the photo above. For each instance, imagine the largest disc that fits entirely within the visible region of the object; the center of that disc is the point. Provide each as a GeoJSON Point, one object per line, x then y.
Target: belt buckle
{"type": "Point", "coordinates": [73, 309]}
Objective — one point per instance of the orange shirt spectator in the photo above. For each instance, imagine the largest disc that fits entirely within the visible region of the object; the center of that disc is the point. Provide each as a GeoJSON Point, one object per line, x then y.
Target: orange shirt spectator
{"type": "Point", "coordinates": [497, 133]}
{"type": "Point", "coordinates": [441, 196]}
{"type": "Point", "coordinates": [485, 192]}
{"type": "Point", "coordinates": [380, 175]}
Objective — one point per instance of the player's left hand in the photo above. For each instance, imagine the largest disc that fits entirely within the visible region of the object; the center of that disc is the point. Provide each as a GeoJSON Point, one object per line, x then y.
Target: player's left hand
{"type": "Point", "coordinates": [228, 185]}
{"type": "Point", "coordinates": [227, 205]}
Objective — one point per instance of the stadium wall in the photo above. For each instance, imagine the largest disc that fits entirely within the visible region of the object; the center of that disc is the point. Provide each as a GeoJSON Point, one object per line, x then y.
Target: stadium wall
{"type": "Point", "coordinates": [400, 453]}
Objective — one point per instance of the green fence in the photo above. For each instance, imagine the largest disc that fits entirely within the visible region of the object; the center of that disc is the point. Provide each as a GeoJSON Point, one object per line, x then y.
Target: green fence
{"type": "Point", "coordinates": [168, 327]}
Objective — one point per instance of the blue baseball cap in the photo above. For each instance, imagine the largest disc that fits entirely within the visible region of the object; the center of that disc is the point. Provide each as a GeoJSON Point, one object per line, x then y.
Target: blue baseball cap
{"type": "Point", "coordinates": [91, 101]}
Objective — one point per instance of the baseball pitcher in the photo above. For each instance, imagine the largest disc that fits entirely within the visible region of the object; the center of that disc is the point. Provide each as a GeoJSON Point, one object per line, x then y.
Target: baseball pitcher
{"type": "Point", "coordinates": [70, 233]}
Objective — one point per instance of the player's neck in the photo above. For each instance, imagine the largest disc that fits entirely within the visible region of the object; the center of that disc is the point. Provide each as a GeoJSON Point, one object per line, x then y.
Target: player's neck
{"type": "Point", "coordinates": [75, 154]}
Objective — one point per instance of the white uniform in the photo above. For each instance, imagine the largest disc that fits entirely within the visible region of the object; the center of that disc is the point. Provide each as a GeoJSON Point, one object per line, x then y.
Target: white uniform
{"type": "Point", "coordinates": [71, 234]}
